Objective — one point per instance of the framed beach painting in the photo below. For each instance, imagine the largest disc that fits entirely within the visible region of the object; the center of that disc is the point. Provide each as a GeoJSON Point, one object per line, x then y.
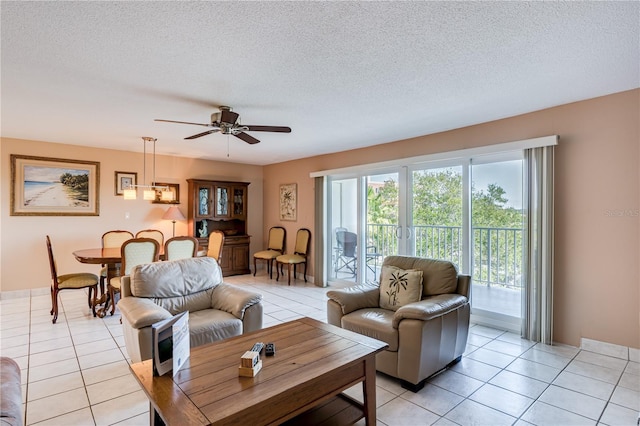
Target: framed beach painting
{"type": "Point", "coordinates": [54, 187]}
{"type": "Point", "coordinates": [289, 202]}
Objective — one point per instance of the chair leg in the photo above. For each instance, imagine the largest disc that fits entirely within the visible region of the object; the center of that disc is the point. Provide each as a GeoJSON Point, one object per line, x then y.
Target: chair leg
{"type": "Point", "coordinates": [255, 267]}
{"type": "Point", "coordinates": [270, 268]}
{"type": "Point", "coordinates": [305, 272]}
{"type": "Point", "coordinates": [53, 301]}
{"type": "Point", "coordinates": [289, 272]}
{"type": "Point", "coordinates": [112, 293]}
{"type": "Point", "coordinates": [54, 308]}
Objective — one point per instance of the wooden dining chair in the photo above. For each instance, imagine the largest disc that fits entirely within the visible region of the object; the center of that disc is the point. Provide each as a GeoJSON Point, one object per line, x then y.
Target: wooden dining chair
{"type": "Point", "coordinates": [275, 247]}
{"type": "Point", "coordinates": [153, 234]}
{"type": "Point", "coordinates": [135, 251]}
{"type": "Point", "coordinates": [216, 242]}
{"type": "Point", "coordinates": [180, 248]}
{"type": "Point", "coordinates": [74, 281]}
{"type": "Point", "coordinates": [299, 256]}
{"type": "Point", "coordinates": [112, 239]}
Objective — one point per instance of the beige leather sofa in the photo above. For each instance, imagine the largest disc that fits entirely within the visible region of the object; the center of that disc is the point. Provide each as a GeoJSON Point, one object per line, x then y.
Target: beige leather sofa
{"type": "Point", "coordinates": [157, 291]}
{"type": "Point", "coordinates": [10, 393]}
{"type": "Point", "coordinates": [424, 336]}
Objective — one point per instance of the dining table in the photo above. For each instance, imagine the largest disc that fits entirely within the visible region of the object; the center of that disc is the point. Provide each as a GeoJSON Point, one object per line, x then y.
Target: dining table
{"type": "Point", "coordinates": [112, 258]}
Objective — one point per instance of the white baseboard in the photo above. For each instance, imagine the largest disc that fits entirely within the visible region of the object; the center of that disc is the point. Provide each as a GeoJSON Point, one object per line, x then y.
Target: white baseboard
{"type": "Point", "coordinates": [610, 349]}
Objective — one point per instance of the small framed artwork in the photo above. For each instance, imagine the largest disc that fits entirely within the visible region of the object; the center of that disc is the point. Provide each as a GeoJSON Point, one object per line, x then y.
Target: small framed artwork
{"type": "Point", "coordinates": [289, 202]}
{"type": "Point", "coordinates": [54, 187]}
{"type": "Point", "coordinates": [167, 196]}
{"type": "Point", "coordinates": [125, 180]}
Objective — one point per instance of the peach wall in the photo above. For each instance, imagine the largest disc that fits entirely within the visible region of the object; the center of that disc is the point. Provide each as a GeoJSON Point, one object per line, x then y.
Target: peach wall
{"type": "Point", "coordinates": [597, 276]}
{"type": "Point", "coordinates": [24, 264]}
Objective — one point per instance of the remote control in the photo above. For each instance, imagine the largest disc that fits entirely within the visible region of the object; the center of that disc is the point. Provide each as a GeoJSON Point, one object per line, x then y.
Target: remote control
{"type": "Point", "coordinates": [270, 349]}
{"type": "Point", "coordinates": [257, 347]}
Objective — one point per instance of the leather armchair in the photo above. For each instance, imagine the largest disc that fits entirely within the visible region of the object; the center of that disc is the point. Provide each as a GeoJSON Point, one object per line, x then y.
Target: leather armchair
{"type": "Point", "coordinates": [424, 337]}
{"type": "Point", "coordinates": [157, 291]}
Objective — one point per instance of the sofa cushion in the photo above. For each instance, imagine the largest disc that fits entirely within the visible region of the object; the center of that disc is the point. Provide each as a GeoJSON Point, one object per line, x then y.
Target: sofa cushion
{"type": "Point", "coordinates": [438, 276]}
{"type": "Point", "coordinates": [175, 278]}
{"type": "Point", "coordinates": [399, 287]}
{"type": "Point", "coordinates": [211, 325]}
{"type": "Point", "coordinates": [374, 322]}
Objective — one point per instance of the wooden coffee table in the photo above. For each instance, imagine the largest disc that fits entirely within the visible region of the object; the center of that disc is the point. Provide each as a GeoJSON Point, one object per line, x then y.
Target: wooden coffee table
{"type": "Point", "coordinates": [301, 384]}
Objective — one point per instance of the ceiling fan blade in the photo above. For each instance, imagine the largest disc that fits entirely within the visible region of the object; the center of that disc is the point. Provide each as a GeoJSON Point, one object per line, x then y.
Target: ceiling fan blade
{"type": "Point", "coordinates": [208, 132]}
{"type": "Point", "coordinates": [245, 137]}
{"type": "Point", "coordinates": [183, 122]}
{"type": "Point", "coordinates": [229, 117]}
{"type": "Point", "coordinates": [280, 129]}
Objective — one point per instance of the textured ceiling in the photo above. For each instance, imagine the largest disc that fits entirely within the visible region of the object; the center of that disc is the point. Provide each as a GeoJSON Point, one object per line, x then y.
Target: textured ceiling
{"type": "Point", "coordinates": [341, 74]}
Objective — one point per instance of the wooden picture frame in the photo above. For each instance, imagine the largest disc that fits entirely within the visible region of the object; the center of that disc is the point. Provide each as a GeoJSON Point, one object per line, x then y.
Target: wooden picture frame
{"type": "Point", "coordinates": [124, 180]}
{"type": "Point", "coordinates": [289, 202]}
{"type": "Point", "coordinates": [173, 187]}
{"type": "Point", "coordinates": [42, 186]}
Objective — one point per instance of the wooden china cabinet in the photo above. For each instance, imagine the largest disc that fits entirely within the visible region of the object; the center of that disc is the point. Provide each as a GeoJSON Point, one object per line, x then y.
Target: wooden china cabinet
{"type": "Point", "coordinates": [221, 205]}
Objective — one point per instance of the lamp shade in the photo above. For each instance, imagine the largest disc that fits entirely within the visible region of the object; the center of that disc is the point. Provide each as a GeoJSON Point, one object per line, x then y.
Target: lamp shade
{"type": "Point", "coordinates": [173, 213]}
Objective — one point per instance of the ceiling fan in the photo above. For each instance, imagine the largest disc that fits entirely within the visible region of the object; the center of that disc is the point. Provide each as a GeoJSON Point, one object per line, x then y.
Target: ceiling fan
{"type": "Point", "coordinates": [226, 122]}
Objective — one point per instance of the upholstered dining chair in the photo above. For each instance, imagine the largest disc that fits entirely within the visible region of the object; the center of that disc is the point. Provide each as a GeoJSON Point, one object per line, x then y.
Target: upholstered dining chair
{"type": "Point", "coordinates": [216, 242]}
{"type": "Point", "coordinates": [153, 234]}
{"type": "Point", "coordinates": [275, 247]}
{"type": "Point", "coordinates": [299, 256]}
{"type": "Point", "coordinates": [74, 281]}
{"type": "Point", "coordinates": [112, 239]}
{"type": "Point", "coordinates": [135, 251]}
{"type": "Point", "coordinates": [180, 248]}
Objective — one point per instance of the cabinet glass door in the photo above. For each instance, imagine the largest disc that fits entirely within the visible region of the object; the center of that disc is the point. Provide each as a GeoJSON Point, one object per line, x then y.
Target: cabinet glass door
{"type": "Point", "coordinates": [222, 201]}
{"type": "Point", "coordinates": [238, 202]}
{"type": "Point", "coordinates": [203, 207]}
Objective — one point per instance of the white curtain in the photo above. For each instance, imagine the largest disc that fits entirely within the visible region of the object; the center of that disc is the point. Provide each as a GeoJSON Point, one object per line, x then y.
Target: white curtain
{"type": "Point", "coordinates": [318, 245]}
{"type": "Point", "coordinates": [538, 247]}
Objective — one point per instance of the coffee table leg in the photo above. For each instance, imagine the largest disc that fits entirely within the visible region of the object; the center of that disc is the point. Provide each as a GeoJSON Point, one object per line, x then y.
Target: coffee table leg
{"type": "Point", "coordinates": [369, 390]}
{"type": "Point", "coordinates": [154, 417]}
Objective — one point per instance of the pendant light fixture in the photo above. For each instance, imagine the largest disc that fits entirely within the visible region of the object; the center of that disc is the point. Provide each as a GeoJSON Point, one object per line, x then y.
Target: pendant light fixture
{"type": "Point", "coordinates": [149, 191]}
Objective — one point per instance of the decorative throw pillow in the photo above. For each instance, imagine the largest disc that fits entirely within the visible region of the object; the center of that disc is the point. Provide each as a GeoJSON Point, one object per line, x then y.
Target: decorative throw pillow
{"type": "Point", "coordinates": [399, 287]}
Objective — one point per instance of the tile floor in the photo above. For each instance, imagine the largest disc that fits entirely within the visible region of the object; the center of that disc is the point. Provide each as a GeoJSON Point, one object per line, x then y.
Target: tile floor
{"type": "Point", "coordinates": [76, 371]}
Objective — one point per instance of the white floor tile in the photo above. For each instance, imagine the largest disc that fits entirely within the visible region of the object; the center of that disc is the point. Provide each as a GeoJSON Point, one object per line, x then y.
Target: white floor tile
{"type": "Point", "coordinates": [53, 355]}
{"type": "Point", "coordinates": [542, 414]}
{"type": "Point", "coordinates": [400, 412]}
{"type": "Point", "coordinates": [627, 398]}
{"type": "Point", "coordinates": [583, 384]}
{"type": "Point", "coordinates": [82, 417]}
{"type": "Point", "coordinates": [476, 369]}
{"type": "Point", "coordinates": [507, 348]}
{"type": "Point", "coordinates": [594, 371]}
{"type": "Point", "coordinates": [101, 358]}
{"type": "Point", "coordinates": [457, 383]}
{"type": "Point", "coordinates": [54, 385]}
{"type": "Point", "coordinates": [518, 383]}
{"type": "Point", "coordinates": [546, 358]}
{"type": "Point", "coordinates": [494, 358]}
{"type": "Point", "coordinates": [630, 381]}
{"type": "Point", "coordinates": [508, 402]}
{"type": "Point", "coordinates": [615, 415]}
{"type": "Point", "coordinates": [121, 408]}
{"type": "Point", "coordinates": [56, 405]}
{"type": "Point", "coordinates": [434, 399]}
{"type": "Point", "coordinates": [534, 370]}
{"type": "Point", "coordinates": [112, 388]}
{"type": "Point", "coordinates": [105, 372]}
{"type": "Point", "coordinates": [53, 369]}
{"type": "Point", "coordinates": [578, 403]}
{"type": "Point", "coordinates": [602, 360]}
{"type": "Point", "coordinates": [473, 413]}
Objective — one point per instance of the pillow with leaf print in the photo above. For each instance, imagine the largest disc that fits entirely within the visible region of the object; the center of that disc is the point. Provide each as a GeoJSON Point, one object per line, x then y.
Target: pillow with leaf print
{"type": "Point", "coordinates": [399, 287]}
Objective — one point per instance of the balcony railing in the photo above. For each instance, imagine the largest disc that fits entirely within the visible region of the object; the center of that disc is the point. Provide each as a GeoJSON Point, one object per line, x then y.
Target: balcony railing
{"type": "Point", "coordinates": [497, 252]}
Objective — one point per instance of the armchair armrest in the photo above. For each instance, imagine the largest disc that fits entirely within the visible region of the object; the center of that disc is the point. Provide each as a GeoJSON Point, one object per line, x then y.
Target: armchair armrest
{"type": "Point", "coordinates": [232, 299]}
{"type": "Point", "coordinates": [141, 312]}
{"type": "Point", "coordinates": [429, 308]}
{"type": "Point", "coordinates": [357, 297]}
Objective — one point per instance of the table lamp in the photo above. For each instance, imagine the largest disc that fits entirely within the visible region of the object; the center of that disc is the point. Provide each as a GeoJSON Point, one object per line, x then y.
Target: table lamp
{"type": "Point", "coordinates": [173, 214]}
